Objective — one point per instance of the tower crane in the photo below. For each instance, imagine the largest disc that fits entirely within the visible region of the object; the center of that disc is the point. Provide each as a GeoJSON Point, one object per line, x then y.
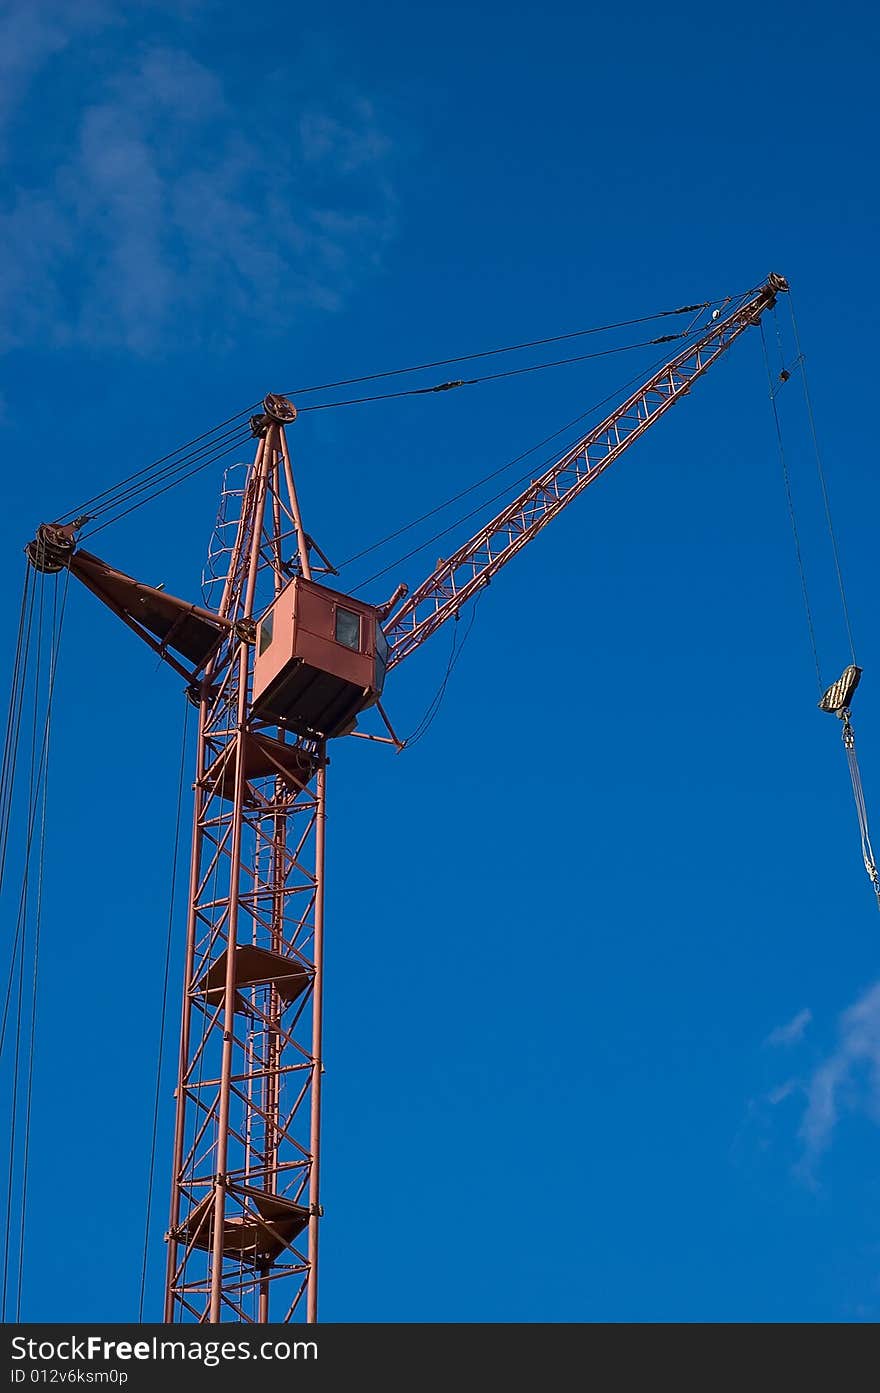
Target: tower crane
{"type": "Point", "coordinates": [282, 665]}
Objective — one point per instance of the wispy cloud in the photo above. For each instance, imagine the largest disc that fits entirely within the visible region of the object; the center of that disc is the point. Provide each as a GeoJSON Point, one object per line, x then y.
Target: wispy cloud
{"type": "Point", "coordinates": [350, 147]}
{"type": "Point", "coordinates": [848, 1079]}
{"type": "Point", "coordinates": [844, 1080]}
{"type": "Point", "coordinates": [31, 33]}
{"type": "Point", "coordinates": [782, 1091]}
{"type": "Point", "coordinates": [166, 216]}
{"type": "Point", "coordinates": [792, 1032]}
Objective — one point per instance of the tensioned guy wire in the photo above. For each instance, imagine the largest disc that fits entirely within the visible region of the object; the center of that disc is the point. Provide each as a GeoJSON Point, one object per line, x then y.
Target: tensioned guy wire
{"type": "Point", "coordinates": [160, 1053]}
{"type": "Point", "coordinates": [190, 458]}
{"type": "Point", "coordinates": [465, 517]}
{"type": "Point", "coordinates": [494, 352]}
{"type": "Point", "coordinates": [32, 802]}
{"type": "Point", "coordinates": [837, 698]}
{"type": "Point", "coordinates": [821, 472]}
{"type": "Point", "coordinates": [491, 376]}
{"type": "Point", "coordinates": [486, 478]}
{"type": "Point", "coordinates": [13, 721]}
{"type": "Point", "coordinates": [31, 805]}
{"type": "Point", "coordinates": [38, 920]}
{"type": "Point", "coordinates": [163, 459]}
{"type": "Point", "coordinates": [157, 493]}
{"type": "Point", "coordinates": [430, 715]}
{"type": "Point", "coordinates": [792, 513]}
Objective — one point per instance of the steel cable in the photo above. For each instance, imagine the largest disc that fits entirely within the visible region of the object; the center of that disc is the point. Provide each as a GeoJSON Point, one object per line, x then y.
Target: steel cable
{"type": "Point", "coordinates": [491, 376]}
{"type": "Point", "coordinates": [169, 478]}
{"type": "Point", "coordinates": [822, 483]}
{"type": "Point", "coordinates": [487, 478]}
{"type": "Point", "coordinates": [13, 722]}
{"type": "Point", "coordinates": [38, 922]}
{"type": "Point", "coordinates": [430, 715]}
{"type": "Point", "coordinates": [163, 459]}
{"type": "Point", "coordinates": [145, 479]}
{"type": "Point", "coordinates": [792, 514]}
{"type": "Point", "coordinates": [495, 352]}
{"type": "Point", "coordinates": [849, 741]}
{"type": "Point", "coordinates": [160, 1053]}
{"type": "Point", "coordinates": [187, 466]}
{"type": "Point", "coordinates": [16, 1059]}
{"type": "Point", "coordinates": [32, 808]}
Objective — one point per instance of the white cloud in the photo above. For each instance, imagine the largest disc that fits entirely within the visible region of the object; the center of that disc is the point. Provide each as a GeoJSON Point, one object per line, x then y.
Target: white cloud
{"type": "Point", "coordinates": [31, 33]}
{"type": "Point", "coordinates": [849, 1078]}
{"type": "Point", "coordinates": [793, 1031]}
{"type": "Point", "coordinates": [349, 146]}
{"type": "Point", "coordinates": [782, 1091]}
{"type": "Point", "coordinates": [168, 220]}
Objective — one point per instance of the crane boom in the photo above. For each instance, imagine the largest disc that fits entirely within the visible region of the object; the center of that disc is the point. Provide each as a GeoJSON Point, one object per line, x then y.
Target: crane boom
{"type": "Point", "coordinates": [473, 565]}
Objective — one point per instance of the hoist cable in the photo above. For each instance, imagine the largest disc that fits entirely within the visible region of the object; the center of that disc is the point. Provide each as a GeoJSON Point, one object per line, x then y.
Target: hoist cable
{"type": "Point", "coordinates": [18, 668]}
{"type": "Point", "coordinates": [163, 459]}
{"type": "Point", "coordinates": [190, 467]}
{"type": "Point", "coordinates": [491, 376]}
{"type": "Point", "coordinates": [13, 1116]}
{"type": "Point", "coordinates": [493, 498]}
{"type": "Point", "coordinates": [463, 493]}
{"type": "Point", "coordinates": [512, 372]}
{"type": "Point", "coordinates": [183, 469]}
{"type": "Point", "coordinates": [849, 741]}
{"type": "Point", "coordinates": [836, 699]}
{"type": "Point", "coordinates": [13, 731]}
{"type": "Point", "coordinates": [429, 717]}
{"type": "Point", "coordinates": [204, 464]}
{"type": "Point", "coordinates": [160, 1053]}
{"type": "Point", "coordinates": [16, 1059]}
{"type": "Point", "coordinates": [495, 352]}
{"type": "Point", "coordinates": [177, 464]}
{"type": "Point", "coordinates": [487, 478]}
{"type": "Point", "coordinates": [107, 498]}
{"type": "Point", "coordinates": [32, 807]}
{"type": "Point", "coordinates": [38, 924]}
{"type": "Point", "coordinates": [792, 513]}
{"type": "Point", "coordinates": [13, 720]}
{"type": "Point", "coordinates": [436, 536]}
{"type": "Point", "coordinates": [822, 483]}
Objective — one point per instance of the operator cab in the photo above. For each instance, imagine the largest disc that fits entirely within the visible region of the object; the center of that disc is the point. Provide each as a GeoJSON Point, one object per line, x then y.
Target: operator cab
{"type": "Point", "coordinates": [321, 659]}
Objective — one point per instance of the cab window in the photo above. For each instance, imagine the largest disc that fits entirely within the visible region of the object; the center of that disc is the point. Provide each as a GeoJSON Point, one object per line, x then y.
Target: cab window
{"type": "Point", "coordinates": [348, 628]}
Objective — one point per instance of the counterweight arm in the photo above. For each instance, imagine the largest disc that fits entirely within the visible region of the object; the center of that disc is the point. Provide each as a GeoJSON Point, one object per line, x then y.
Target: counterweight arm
{"type": "Point", "coordinates": [472, 566]}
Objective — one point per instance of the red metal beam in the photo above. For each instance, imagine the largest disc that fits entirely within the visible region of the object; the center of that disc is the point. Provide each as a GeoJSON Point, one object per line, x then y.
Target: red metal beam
{"type": "Point", "coordinates": [473, 565]}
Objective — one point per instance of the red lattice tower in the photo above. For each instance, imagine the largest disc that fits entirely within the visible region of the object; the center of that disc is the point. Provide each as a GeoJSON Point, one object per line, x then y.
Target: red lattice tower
{"type": "Point", "coordinates": [245, 1186]}
{"type": "Point", "coordinates": [280, 666]}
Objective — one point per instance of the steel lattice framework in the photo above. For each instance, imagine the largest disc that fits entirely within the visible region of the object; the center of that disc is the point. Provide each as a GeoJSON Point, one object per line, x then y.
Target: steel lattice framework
{"type": "Point", "coordinates": [245, 1198]}
{"type": "Point", "coordinates": [474, 563]}
{"type": "Point", "coordinates": [245, 1204]}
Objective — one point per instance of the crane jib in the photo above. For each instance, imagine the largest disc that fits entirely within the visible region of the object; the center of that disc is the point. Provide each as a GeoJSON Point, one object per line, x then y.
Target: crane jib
{"type": "Point", "coordinates": [458, 577]}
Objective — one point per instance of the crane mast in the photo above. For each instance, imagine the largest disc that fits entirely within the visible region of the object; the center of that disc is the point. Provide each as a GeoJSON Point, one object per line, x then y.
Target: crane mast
{"type": "Point", "coordinates": [282, 665]}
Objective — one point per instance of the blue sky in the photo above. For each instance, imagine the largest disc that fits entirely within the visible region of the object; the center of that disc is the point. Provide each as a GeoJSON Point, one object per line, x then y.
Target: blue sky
{"type": "Point", "coordinates": [603, 1006]}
